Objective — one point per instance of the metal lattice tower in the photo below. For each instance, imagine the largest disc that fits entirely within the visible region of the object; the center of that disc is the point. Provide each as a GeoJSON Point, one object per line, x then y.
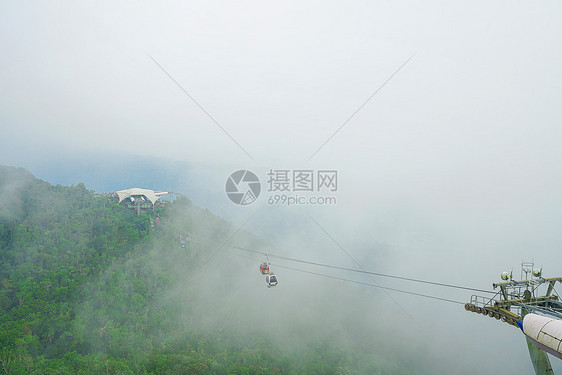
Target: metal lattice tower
{"type": "Point", "coordinates": [515, 299]}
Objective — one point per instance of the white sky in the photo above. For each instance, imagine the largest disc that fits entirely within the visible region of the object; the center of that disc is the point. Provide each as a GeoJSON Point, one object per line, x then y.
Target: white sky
{"type": "Point", "coordinates": [463, 142]}
{"type": "Point", "coordinates": [280, 77]}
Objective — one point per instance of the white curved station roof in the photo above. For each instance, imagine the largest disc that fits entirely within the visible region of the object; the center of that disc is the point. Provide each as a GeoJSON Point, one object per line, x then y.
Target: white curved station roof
{"type": "Point", "coordinates": [150, 194]}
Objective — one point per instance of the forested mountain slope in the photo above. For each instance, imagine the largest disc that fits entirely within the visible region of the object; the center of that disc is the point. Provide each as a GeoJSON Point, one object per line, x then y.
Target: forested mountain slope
{"type": "Point", "coordinates": [88, 286]}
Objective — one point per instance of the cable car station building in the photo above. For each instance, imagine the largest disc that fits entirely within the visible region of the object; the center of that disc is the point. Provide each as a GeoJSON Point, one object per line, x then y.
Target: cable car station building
{"type": "Point", "coordinates": [137, 199]}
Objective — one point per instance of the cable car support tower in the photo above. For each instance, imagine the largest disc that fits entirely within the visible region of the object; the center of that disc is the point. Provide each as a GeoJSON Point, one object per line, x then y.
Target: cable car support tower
{"type": "Point", "coordinates": [515, 299]}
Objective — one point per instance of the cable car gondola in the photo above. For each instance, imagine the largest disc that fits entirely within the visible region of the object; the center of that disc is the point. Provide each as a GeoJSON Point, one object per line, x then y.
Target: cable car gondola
{"type": "Point", "coordinates": [264, 268]}
{"type": "Point", "coordinates": [271, 280]}
{"type": "Point", "coordinates": [184, 240]}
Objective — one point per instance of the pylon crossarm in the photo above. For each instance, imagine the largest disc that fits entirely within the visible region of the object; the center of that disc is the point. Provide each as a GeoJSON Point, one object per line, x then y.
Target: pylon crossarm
{"type": "Point", "coordinates": [551, 280]}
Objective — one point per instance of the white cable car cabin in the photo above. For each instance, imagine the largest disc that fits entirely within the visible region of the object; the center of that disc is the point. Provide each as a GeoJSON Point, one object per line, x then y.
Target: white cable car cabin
{"type": "Point", "coordinates": [271, 280]}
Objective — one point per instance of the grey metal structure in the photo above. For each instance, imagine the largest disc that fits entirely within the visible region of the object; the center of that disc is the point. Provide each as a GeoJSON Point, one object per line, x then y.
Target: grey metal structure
{"type": "Point", "coordinates": [514, 299]}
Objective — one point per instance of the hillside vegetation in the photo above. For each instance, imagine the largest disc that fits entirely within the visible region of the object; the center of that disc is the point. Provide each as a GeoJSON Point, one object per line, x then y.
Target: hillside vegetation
{"type": "Point", "coordinates": [88, 286]}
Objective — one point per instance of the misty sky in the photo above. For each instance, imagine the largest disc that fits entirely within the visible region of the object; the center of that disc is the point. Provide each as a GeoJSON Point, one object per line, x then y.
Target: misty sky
{"type": "Point", "coordinates": [455, 164]}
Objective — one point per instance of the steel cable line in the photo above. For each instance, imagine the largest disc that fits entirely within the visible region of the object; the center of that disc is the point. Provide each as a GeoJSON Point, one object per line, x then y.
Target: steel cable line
{"type": "Point", "coordinates": [172, 228]}
{"type": "Point", "coordinates": [365, 272]}
{"type": "Point", "coordinates": [225, 243]}
{"type": "Point", "coordinates": [354, 270]}
{"type": "Point", "coordinates": [200, 106]}
{"type": "Point", "coordinates": [202, 264]}
{"type": "Point", "coordinates": [360, 282]}
{"type": "Point", "coordinates": [372, 285]}
{"type": "Point", "coordinates": [359, 266]}
{"type": "Point", "coordinates": [345, 268]}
